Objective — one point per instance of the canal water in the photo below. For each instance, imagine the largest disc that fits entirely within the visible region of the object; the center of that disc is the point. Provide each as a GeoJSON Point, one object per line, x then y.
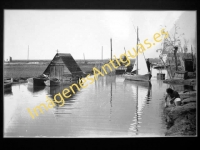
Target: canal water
{"type": "Point", "coordinates": [110, 107]}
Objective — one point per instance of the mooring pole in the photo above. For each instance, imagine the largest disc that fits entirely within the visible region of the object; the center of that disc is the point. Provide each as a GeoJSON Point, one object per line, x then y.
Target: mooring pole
{"type": "Point", "coordinates": [137, 52]}
{"type": "Point", "coordinates": [28, 52]}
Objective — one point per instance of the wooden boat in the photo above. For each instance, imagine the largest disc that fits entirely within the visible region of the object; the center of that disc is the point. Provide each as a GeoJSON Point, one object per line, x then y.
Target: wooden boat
{"type": "Point", "coordinates": [37, 81]}
{"type": "Point", "coordinates": [135, 77]}
{"type": "Point", "coordinates": [160, 66]}
{"type": "Point", "coordinates": [70, 79]}
{"type": "Point", "coordinates": [7, 80]}
{"type": "Point", "coordinates": [35, 89]}
{"type": "Point", "coordinates": [7, 85]}
{"type": "Point", "coordinates": [140, 68]}
{"type": "Point", "coordinates": [52, 82]}
{"type": "Point", "coordinates": [121, 70]}
{"type": "Point", "coordinates": [139, 83]}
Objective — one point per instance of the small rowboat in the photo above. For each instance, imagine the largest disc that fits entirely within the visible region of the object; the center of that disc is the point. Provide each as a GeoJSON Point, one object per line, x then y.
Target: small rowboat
{"type": "Point", "coordinates": [52, 82]}
{"type": "Point", "coordinates": [37, 81]}
{"type": "Point", "coordinates": [7, 85]}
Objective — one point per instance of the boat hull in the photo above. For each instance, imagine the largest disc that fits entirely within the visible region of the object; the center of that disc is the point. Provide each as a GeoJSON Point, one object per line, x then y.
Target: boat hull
{"type": "Point", "coordinates": [146, 77]}
{"type": "Point", "coordinates": [51, 83]}
{"type": "Point", "coordinates": [7, 85]}
{"type": "Point", "coordinates": [161, 67]}
{"type": "Point", "coordinates": [36, 81]}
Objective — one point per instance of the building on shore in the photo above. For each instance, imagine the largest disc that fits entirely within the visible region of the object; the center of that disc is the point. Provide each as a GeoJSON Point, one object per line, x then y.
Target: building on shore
{"type": "Point", "coordinates": [185, 60]}
{"type": "Point", "coordinates": [63, 66]}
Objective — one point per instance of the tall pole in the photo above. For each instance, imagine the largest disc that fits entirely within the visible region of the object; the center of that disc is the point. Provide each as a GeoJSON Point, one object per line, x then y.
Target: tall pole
{"type": "Point", "coordinates": [175, 56]}
{"type": "Point", "coordinates": [28, 52]}
{"type": "Point", "coordinates": [84, 56]}
{"type": "Point", "coordinates": [137, 51]}
{"type": "Point", "coordinates": [192, 58]}
{"type": "Point", "coordinates": [102, 55]}
{"type": "Point", "coordinates": [111, 47]}
{"type": "Point", "coordinates": [163, 61]}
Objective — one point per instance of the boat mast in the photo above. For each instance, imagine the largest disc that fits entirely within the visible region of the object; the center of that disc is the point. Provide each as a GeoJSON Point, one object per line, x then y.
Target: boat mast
{"type": "Point", "coordinates": [101, 61]}
{"type": "Point", "coordinates": [28, 52]}
{"type": "Point", "coordinates": [102, 55]}
{"type": "Point", "coordinates": [111, 47]}
{"type": "Point", "coordinates": [84, 57]}
{"type": "Point", "coordinates": [137, 52]}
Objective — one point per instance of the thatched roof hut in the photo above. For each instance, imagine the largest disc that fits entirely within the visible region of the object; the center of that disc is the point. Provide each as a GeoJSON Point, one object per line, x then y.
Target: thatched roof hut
{"type": "Point", "coordinates": [63, 65]}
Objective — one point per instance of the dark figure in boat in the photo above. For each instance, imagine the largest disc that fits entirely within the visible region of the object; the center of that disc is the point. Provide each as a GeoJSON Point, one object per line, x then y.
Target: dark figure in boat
{"type": "Point", "coordinates": [172, 98]}
{"type": "Point", "coordinates": [80, 78]}
{"type": "Point", "coordinates": [148, 65]}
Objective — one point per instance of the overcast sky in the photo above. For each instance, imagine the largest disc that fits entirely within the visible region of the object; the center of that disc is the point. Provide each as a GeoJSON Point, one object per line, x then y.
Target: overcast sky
{"type": "Point", "coordinates": [86, 31]}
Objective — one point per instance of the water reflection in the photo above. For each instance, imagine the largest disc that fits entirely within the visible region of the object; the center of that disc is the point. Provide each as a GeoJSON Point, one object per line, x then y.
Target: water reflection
{"type": "Point", "coordinates": [8, 91]}
{"type": "Point", "coordinates": [139, 89]}
{"type": "Point", "coordinates": [62, 110]}
{"type": "Point", "coordinates": [35, 89]}
{"type": "Point", "coordinates": [111, 106]}
{"type": "Point", "coordinates": [110, 100]}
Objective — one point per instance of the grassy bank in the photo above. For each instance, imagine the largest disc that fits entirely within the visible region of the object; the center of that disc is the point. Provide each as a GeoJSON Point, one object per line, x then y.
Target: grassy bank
{"type": "Point", "coordinates": [181, 120]}
{"type": "Point", "coordinates": [31, 70]}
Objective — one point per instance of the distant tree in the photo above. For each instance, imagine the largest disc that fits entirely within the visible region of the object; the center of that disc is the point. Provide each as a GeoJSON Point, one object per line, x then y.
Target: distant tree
{"type": "Point", "coordinates": [174, 43]}
{"type": "Point", "coordinates": [185, 47]}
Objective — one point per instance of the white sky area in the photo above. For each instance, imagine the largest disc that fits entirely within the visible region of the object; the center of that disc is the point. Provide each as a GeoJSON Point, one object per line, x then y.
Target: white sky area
{"type": "Point", "coordinates": [86, 31]}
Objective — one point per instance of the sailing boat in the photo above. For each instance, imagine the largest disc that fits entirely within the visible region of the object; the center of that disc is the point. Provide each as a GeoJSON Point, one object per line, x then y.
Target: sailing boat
{"type": "Point", "coordinates": [140, 67]}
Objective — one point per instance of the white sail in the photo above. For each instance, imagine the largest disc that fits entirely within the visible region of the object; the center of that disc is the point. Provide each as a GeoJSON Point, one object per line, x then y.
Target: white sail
{"type": "Point", "coordinates": [142, 66]}
{"type": "Point", "coordinates": [134, 66]}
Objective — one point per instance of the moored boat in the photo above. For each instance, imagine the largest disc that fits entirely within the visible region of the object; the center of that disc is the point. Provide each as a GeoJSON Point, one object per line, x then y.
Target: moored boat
{"type": "Point", "coordinates": [52, 82]}
{"type": "Point", "coordinates": [7, 85]}
{"type": "Point", "coordinates": [135, 77]}
{"type": "Point", "coordinates": [160, 66]}
{"type": "Point", "coordinates": [140, 71]}
{"type": "Point", "coordinates": [37, 81]}
{"type": "Point", "coordinates": [35, 89]}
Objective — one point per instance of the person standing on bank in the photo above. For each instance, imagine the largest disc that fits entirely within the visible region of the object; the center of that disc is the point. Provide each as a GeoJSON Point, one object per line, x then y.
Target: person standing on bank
{"type": "Point", "coordinates": [148, 65]}
{"type": "Point", "coordinates": [77, 78]}
{"type": "Point", "coordinates": [172, 98]}
{"type": "Point", "coordinates": [80, 79]}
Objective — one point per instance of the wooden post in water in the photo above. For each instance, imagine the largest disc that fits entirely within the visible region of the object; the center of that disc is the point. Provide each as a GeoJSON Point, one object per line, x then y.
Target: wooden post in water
{"type": "Point", "coordinates": [137, 52]}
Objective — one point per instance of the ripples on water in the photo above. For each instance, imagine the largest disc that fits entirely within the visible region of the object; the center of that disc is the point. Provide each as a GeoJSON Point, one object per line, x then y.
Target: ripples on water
{"type": "Point", "coordinates": [109, 107]}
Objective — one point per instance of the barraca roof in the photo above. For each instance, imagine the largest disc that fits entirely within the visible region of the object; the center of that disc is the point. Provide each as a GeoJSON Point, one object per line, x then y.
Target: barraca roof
{"type": "Point", "coordinates": [68, 61]}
